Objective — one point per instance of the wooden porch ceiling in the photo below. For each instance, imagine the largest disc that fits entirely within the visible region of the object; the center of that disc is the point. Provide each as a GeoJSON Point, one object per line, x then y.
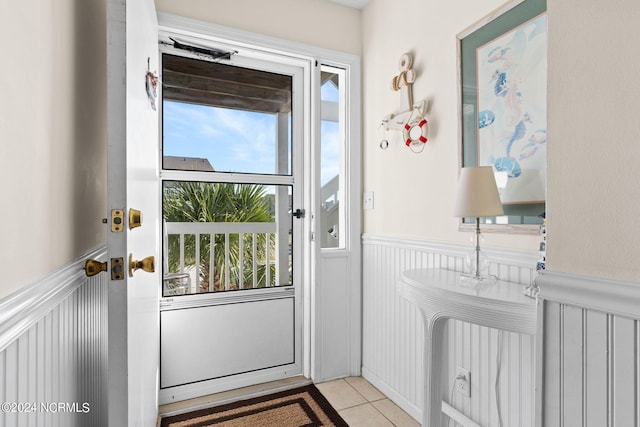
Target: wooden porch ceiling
{"type": "Point", "coordinates": [215, 84]}
{"type": "Point", "coordinates": [219, 85]}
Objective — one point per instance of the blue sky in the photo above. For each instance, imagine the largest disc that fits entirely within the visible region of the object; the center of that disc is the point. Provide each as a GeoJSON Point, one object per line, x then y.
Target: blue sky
{"type": "Point", "coordinates": [238, 141]}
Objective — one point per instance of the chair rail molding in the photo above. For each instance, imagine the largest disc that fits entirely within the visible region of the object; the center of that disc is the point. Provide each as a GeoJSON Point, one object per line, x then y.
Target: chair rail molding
{"type": "Point", "coordinates": [610, 296]}
{"type": "Point", "coordinates": [25, 307]}
{"type": "Point", "coordinates": [511, 257]}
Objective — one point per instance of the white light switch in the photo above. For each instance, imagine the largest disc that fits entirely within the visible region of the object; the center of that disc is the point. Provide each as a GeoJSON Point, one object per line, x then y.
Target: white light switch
{"type": "Point", "coordinates": [367, 200]}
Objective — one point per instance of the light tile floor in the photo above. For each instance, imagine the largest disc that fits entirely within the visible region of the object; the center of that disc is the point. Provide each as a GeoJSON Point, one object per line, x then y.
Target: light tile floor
{"type": "Point", "coordinates": [361, 404]}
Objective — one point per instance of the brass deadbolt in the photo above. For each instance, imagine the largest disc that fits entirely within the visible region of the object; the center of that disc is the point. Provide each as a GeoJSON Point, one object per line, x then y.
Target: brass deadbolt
{"type": "Point", "coordinates": [147, 264]}
{"type": "Point", "coordinates": [93, 267]}
{"type": "Point", "coordinates": [135, 218]}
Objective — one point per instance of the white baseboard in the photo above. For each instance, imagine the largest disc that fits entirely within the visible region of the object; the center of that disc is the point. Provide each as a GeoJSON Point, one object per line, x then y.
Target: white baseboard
{"type": "Point", "coordinates": [394, 396]}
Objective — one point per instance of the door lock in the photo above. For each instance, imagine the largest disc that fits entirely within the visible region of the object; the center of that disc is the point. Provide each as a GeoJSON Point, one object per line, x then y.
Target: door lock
{"type": "Point", "coordinates": [135, 218]}
{"type": "Point", "coordinates": [298, 213]}
{"type": "Point", "coordinates": [147, 264]}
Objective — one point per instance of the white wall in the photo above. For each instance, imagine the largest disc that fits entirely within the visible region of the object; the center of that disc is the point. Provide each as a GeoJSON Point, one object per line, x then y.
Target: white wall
{"type": "Point", "coordinates": [313, 22]}
{"type": "Point", "coordinates": [594, 139]}
{"type": "Point", "coordinates": [52, 136]}
{"type": "Point", "coordinates": [414, 192]}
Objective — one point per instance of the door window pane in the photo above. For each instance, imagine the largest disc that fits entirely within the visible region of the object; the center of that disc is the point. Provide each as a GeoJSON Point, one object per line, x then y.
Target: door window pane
{"type": "Point", "coordinates": [225, 118]}
{"type": "Point", "coordinates": [225, 236]}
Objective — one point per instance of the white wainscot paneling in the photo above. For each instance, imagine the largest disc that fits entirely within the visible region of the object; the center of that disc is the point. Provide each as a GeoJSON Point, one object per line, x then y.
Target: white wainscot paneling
{"type": "Point", "coordinates": [590, 348]}
{"type": "Point", "coordinates": [53, 351]}
{"type": "Point", "coordinates": [393, 335]}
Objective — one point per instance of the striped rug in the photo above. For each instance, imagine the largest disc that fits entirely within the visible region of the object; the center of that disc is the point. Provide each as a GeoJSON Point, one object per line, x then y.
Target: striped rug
{"type": "Point", "coordinates": [299, 407]}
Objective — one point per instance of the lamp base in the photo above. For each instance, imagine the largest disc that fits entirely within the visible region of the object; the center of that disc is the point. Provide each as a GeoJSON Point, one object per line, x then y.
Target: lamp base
{"type": "Point", "coordinates": [474, 282]}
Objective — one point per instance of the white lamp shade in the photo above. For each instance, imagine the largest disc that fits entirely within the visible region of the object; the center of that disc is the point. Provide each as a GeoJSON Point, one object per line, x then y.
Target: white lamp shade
{"type": "Point", "coordinates": [477, 193]}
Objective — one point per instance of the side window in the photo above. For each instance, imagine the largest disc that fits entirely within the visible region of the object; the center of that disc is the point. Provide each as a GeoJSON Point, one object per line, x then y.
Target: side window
{"type": "Point", "coordinates": [332, 140]}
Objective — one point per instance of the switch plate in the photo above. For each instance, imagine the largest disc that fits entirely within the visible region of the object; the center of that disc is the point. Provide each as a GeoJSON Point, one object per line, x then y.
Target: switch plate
{"type": "Point", "coordinates": [367, 200]}
{"type": "Point", "coordinates": [463, 381]}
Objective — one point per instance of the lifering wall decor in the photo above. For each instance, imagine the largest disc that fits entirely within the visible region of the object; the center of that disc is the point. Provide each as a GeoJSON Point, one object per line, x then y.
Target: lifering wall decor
{"type": "Point", "coordinates": [412, 122]}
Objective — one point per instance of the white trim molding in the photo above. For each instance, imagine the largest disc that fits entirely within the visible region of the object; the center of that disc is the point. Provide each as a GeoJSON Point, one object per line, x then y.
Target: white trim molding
{"type": "Point", "coordinates": [606, 295]}
{"type": "Point", "coordinates": [170, 23]}
{"type": "Point", "coordinates": [511, 257]}
{"type": "Point", "coordinates": [22, 309]}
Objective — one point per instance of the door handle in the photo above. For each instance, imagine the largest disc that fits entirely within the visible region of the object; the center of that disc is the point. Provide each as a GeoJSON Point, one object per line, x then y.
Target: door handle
{"type": "Point", "coordinates": [147, 264]}
{"type": "Point", "coordinates": [93, 267]}
{"type": "Point", "coordinates": [298, 213]}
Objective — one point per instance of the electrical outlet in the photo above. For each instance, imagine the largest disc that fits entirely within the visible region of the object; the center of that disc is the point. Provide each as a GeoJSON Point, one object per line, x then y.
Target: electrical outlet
{"type": "Point", "coordinates": [463, 381]}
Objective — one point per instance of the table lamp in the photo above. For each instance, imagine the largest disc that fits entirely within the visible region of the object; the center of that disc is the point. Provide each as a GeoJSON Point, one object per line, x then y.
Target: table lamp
{"type": "Point", "coordinates": [477, 197]}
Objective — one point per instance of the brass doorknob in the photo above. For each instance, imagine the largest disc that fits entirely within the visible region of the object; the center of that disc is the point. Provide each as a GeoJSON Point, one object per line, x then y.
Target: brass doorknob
{"type": "Point", "coordinates": [147, 264]}
{"type": "Point", "coordinates": [93, 267]}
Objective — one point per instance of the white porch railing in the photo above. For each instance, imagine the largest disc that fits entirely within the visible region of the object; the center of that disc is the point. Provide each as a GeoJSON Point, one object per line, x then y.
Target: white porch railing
{"type": "Point", "coordinates": [263, 252]}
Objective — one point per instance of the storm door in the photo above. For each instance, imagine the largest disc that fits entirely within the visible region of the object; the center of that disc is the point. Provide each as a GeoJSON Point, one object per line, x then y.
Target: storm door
{"type": "Point", "coordinates": [231, 311]}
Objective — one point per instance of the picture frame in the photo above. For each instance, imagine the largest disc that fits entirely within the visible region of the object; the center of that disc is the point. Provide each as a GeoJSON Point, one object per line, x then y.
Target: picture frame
{"type": "Point", "coordinates": [502, 109]}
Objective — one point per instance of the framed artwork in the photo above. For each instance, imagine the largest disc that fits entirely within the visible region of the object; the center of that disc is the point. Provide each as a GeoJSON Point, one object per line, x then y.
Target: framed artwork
{"type": "Point", "coordinates": [503, 88]}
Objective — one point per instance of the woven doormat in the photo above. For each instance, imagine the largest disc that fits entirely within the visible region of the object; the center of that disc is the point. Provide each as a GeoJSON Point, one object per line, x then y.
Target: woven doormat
{"type": "Point", "coordinates": [299, 407]}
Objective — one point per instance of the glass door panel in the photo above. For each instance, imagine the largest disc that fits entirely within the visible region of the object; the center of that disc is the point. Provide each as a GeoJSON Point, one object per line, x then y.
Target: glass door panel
{"type": "Point", "coordinates": [226, 236]}
{"type": "Point", "coordinates": [225, 118]}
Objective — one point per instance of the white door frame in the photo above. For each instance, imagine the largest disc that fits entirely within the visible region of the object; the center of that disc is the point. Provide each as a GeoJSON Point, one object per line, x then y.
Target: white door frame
{"type": "Point", "coordinates": [314, 328]}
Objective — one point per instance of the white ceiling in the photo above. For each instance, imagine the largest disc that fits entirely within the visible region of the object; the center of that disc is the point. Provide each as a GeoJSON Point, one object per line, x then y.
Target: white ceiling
{"type": "Point", "coordinates": [356, 4]}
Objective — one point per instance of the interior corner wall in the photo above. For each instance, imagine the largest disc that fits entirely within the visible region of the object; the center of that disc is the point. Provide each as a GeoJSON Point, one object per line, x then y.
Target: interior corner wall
{"type": "Point", "coordinates": [312, 22]}
{"type": "Point", "coordinates": [52, 136]}
{"type": "Point", "coordinates": [414, 193]}
{"type": "Point", "coordinates": [594, 139]}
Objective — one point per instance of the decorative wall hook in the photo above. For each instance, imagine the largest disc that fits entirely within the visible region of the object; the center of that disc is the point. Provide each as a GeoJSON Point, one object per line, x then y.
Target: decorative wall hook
{"type": "Point", "coordinates": [412, 122]}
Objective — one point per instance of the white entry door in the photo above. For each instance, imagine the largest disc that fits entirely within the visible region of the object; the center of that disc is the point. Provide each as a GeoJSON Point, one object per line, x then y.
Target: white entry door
{"type": "Point", "coordinates": [233, 126]}
{"type": "Point", "coordinates": [133, 183]}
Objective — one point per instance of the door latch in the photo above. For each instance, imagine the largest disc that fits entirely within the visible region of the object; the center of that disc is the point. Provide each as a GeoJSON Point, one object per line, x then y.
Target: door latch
{"type": "Point", "coordinates": [298, 213]}
{"type": "Point", "coordinates": [117, 220]}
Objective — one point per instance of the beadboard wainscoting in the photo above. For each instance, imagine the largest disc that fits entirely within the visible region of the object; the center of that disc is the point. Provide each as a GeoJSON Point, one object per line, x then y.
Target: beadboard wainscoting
{"type": "Point", "coordinates": [393, 335]}
{"type": "Point", "coordinates": [53, 350]}
{"type": "Point", "coordinates": [589, 369]}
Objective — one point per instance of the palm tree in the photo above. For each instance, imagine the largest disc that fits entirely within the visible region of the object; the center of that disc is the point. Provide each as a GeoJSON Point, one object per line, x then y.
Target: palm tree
{"type": "Point", "coordinates": [220, 202]}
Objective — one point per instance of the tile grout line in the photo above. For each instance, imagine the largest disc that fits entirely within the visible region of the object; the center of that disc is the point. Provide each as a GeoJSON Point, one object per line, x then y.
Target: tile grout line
{"type": "Point", "coordinates": [368, 402]}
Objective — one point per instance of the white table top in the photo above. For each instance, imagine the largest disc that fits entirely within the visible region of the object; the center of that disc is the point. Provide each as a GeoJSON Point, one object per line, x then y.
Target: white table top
{"type": "Point", "coordinates": [441, 293]}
